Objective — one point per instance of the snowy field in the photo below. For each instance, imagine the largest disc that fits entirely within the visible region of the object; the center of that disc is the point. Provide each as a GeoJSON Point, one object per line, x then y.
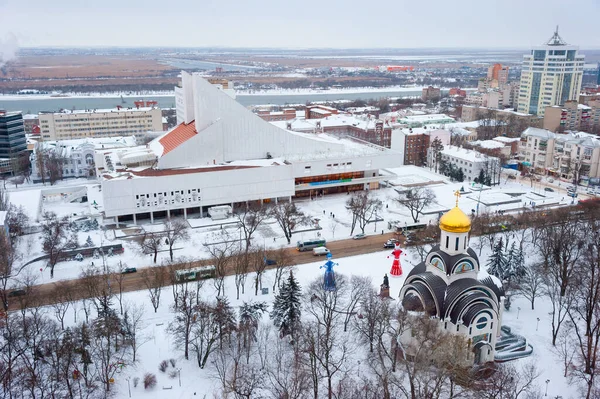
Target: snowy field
{"type": "Point", "coordinates": [335, 222]}
{"type": "Point", "coordinates": [334, 219]}
{"type": "Point", "coordinates": [196, 382]}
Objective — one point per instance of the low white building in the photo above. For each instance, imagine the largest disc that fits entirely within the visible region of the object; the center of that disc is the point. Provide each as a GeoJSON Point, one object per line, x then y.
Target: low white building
{"type": "Point", "coordinates": [470, 162]}
{"type": "Point", "coordinates": [227, 155]}
{"type": "Point", "coordinates": [77, 157]}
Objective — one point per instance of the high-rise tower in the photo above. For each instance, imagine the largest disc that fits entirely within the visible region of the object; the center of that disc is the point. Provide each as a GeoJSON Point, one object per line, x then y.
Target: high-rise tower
{"type": "Point", "coordinates": [551, 75]}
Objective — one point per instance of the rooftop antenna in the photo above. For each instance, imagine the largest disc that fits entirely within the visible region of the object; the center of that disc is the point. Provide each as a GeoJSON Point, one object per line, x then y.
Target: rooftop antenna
{"type": "Point", "coordinates": [556, 40]}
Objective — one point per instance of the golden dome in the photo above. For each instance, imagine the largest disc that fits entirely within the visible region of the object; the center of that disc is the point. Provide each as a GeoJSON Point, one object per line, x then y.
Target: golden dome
{"type": "Point", "coordinates": [455, 221]}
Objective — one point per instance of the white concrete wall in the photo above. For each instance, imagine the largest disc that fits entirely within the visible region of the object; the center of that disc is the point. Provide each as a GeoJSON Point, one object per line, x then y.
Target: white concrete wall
{"type": "Point", "coordinates": [221, 187]}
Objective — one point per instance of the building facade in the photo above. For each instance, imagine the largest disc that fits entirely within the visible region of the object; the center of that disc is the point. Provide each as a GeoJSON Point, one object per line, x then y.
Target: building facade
{"type": "Point", "coordinates": [471, 162]}
{"type": "Point", "coordinates": [431, 93]}
{"type": "Point", "coordinates": [414, 143]}
{"type": "Point", "coordinates": [570, 156]}
{"type": "Point", "coordinates": [573, 116]}
{"type": "Point", "coordinates": [13, 143]}
{"type": "Point", "coordinates": [551, 75]}
{"type": "Point", "coordinates": [450, 286]}
{"type": "Point", "coordinates": [229, 156]}
{"type": "Point", "coordinates": [99, 123]}
{"type": "Point", "coordinates": [77, 157]}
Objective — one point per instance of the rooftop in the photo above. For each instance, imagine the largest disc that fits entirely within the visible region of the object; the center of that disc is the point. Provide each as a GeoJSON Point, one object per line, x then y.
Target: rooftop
{"type": "Point", "coordinates": [177, 136]}
{"type": "Point", "coordinates": [464, 154]}
{"type": "Point", "coordinates": [98, 111]}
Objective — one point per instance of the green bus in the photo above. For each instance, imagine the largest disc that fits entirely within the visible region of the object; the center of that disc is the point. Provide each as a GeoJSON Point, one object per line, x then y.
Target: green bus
{"type": "Point", "coordinates": [309, 245]}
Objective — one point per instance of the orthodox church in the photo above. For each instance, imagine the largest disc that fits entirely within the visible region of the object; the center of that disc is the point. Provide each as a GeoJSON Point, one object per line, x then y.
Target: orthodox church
{"type": "Point", "coordinates": [450, 286]}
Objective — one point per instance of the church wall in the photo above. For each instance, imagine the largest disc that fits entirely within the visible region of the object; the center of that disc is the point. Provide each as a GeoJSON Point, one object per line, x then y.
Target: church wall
{"type": "Point", "coordinates": [448, 242]}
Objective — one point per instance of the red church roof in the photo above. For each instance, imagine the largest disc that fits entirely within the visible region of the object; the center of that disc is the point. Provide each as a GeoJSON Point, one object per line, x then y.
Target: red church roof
{"type": "Point", "coordinates": [177, 136]}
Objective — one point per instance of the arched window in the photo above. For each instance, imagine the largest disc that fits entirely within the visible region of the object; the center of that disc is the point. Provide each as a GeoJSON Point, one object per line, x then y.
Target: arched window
{"type": "Point", "coordinates": [482, 323]}
{"type": "Point", "coordinates": [456, 245]}
{"type": "Point", "coordinates": [447, 241]}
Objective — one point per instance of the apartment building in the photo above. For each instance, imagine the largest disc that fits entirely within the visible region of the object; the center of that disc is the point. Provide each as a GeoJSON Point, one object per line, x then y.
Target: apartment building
{"type": "Point", "coordinates": [551, 75]}
{"type": "Point", "coordinates": [431, 93]}
{"type": "Point", "coordinates": [470, 161]}
{"type": "Point", "coordinates": [271, 116]}
{"type": "Point", "coordinates": [414, 143]}
{"type": "Point", "coordinates": [573, 155]}
{"type": "Point", "coordinates": [573, 116]}
{"type": "Point", "coordinates": [12, 139]}
{"type": "Point", "coordinates": [79, 124]}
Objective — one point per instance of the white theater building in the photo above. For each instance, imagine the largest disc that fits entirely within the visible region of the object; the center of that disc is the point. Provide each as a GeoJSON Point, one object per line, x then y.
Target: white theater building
{"type": "Point", "coordinates": [223, 154]}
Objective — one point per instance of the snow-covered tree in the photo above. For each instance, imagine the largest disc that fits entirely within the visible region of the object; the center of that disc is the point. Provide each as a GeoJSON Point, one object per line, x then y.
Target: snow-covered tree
{"type": "Point", "coordinates": [89, 242]}
{"type": "Point", "coordinates": [515, 263]}
{"type": "Point", "coordinates": [286, 307]}
{"type": "Point", "coordinates": [250, 314]}
{"type": "Point", "coordinates": [497, 264]}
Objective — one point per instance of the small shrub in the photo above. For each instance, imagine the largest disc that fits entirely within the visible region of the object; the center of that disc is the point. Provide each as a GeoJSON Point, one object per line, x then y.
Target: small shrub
{"type": "Point", "coordinates": [149, 380]}
{"type": "Point", "coordinates": [173, 362]}
{"type": "Point", "coordinates": [173, 374]}
{"type": "Point", "coordinates": [163, 366]}
{"type": "Point", "coordinates": [136, 381]}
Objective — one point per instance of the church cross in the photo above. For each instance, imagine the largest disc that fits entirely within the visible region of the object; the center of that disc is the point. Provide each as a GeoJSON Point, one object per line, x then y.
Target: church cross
{"type": "Point", "coordinates": [457, 195]}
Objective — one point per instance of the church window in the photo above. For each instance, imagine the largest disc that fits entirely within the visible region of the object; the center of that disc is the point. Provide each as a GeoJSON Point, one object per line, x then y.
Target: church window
{"type": "Point", "coordinates": [445, 325]}
{"type": "Point", "coordinates": [437, 262]}
{"type": "Point", "coordinates": [447, 241]}
{"type": "Point", "coordinates": [463, 267]}
{"type": "Point", "coordinates": [481, 323]}
{"type": "Point", "coordinates": [470, 330]}
{"type": "Point", "coordinates": [456, 245]}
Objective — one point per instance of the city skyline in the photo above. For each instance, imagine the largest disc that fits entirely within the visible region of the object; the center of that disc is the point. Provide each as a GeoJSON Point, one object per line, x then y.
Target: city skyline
{"type": "Point", "coordinates": [310, 24]}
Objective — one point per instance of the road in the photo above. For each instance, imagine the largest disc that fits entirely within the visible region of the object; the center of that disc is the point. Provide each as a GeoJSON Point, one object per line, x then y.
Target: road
{"type": "Point", "coordinates": [43, 294]}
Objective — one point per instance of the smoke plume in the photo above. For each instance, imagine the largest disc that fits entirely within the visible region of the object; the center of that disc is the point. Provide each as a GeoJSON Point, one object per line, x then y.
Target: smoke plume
{"type": "Point", "coordinates": [8, 48]}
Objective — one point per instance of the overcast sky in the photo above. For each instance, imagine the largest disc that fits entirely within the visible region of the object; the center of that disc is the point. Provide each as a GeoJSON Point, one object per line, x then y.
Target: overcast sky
{"type": "Point", "coordinates": [299, 23]}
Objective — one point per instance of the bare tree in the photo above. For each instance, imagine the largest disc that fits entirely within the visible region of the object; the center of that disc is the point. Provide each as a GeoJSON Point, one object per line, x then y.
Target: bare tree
{"type": "Point", "coordinates": [154, 280]}
{"type": "Point", "coordinates": [40, 160]}
{"type": "Point", "coordinates": [249, 218]}
{"type": "Point", "coordinates": [322, 339]}
{"type": "Point", "coordinates": [416, 200]}
{"type": "Point", "coordinates": [333, 224]}
{"type": "Point", "coordinates": [565, 348]}
{"type": "Point", "coordinates": [258, 263]}
{"type": "Point", "coordinates": [362, 206]}
{"type": "Point", "coordinates": [151, 243]}
{"type": "Point", "coordinates": [4, 202]}
{"type": "Point", "coordinates": [510, 382]}
{"type": "Point", "coordinates": [60, 302]}
{"type": "Point", "coordinates": [221, 255]}
{"type": "Point", "coordinates": [185, 313]}
{"type": "Point", "coordinates": [8, 257]}
{"type": "Point", "coordinates": [288, 217]}
{"type": "Point", "coordinates": [240, 266]}
{"type": "Point", "coordinates": [54, 238]}
{"type": "Point", "coordinates": [205, 332]}
{"type": "Point", "coordinates": [17, 221]}
{"type": "Point", "coordinates": [531, 285]}
{"type": "Point", "coordinates": [175, 230]}
{"type": "Point", "coordinates": [119, 276]}
{"type": "Point", "coordinates": [133, 324]}
{"type": "Point", "coordinates": [54, 166]}
{"type": "Point", "coordinates": [283, 262]}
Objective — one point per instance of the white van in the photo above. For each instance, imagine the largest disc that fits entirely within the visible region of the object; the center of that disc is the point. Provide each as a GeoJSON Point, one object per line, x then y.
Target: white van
{"type": "Point", "coordinates": [320, 251]}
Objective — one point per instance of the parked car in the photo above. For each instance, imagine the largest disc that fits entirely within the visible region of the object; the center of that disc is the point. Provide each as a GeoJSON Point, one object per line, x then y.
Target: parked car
{"type": "Point", "coordinates": [129, 270]}
{"type": "Point", "coordinates": [270, 262]}
{"type": "Point", "coordinates": [15, 293]}
{"type": "Point", "coordinates": [550, 180]}
{"type": "Point", "coordinates": [548, 189]}
{"type": "Point", "coordinates": [319, 251]}
{"type": "Point", "coordinates": [389, 244]}
{"type": "Point", "coordinates": [513, 177]}
{"type": "Point", "coordinates": [359, 236]}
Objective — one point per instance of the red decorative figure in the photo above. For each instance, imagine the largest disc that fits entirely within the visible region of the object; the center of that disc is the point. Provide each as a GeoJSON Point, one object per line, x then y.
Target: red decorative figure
{"type": "Point", "coordinates": [396, 268]}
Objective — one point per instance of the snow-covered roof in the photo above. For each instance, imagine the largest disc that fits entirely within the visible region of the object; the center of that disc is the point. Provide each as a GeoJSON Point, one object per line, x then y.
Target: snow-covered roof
{"type": "Point", "coordinates": [507, 140]}
{"type": "Point", "coordinates": [489, 144]}
{"type": "Point", "coordinates": [99, 111]}
{"type": "Point", "coordinates": [536, 132]}
{"type": "Point", "coordinates": [465, 154]}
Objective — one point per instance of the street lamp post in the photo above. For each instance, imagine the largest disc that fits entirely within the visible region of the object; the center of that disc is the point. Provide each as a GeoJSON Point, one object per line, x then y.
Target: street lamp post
{"type": "Point", "coordinates": [179, 375]}
{"type": "Point", "coordinates": [518, 311]}
{"type": "Point", "coordinates": [375, 229]}
{"type": "Point", "coordinates": [538, 324]}
{"type": "Point", "coordinates": [129, 386]}
{"type": "Point", "coordinates": [547, 382]}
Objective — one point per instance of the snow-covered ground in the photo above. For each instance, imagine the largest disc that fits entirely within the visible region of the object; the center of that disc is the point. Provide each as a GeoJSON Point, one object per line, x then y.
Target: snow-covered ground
{"type": "Point", "coordinates": [335, 223]}
{"type": "Point", "coordinates": [334, 219]}
{"type": "Point", "coordinates": [194, 381]}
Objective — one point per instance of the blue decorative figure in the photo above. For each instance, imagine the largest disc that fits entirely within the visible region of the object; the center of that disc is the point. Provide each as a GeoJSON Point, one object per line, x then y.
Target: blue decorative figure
{"type": "Point", "coordinates": [329, 278]}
